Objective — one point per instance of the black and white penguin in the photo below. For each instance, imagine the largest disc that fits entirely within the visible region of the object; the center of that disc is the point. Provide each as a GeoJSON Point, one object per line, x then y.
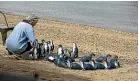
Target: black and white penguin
{"type": "Point", "coordinates": [52, 45]}
{"type": "Point", "coordinates": [46, 49]}
{"type": "Point", "coordinates": [67, 55]}
{"type": "Point", "coordinates": [88, 66]}
{"type": "Point", "coordinates": [75, 50]}
{"type": "Point", "coordinates": [49, 48]}
{"type": "Point", "coordinates": [102, 58]}
{"type": "Point", "coordinates": [37, 50]}
{"type": "Point", "coordinates": [60, 62]}
{"type": "Point", "coordinates": [42, 48]}
{"type": "Point", "coordinates": [114, 63]}
{"type": "Point", "coordinates": [102, 65]}
{"type": "Point", "coordinates": [87, 58]}
{"type": "Point", "coordinates": [72, 65]}
{"type": "Point", "coordinates": [67, 52]}
{"type": "Point", "coordinates": [114, 58]}
{"type": "Point", "coordinates": [60, 52]}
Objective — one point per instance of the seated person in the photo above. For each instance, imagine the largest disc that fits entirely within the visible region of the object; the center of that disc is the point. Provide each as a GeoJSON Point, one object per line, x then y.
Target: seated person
{"type": "Point", "coordinates": [22, 38]}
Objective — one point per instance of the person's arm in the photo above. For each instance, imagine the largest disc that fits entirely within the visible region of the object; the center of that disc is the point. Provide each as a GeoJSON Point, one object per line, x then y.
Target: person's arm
{"type": "Point", "coordinates": [31, 36]}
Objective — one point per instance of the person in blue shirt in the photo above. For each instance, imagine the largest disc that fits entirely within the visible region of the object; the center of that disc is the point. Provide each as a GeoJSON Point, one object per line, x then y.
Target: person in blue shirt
{"type": "Point", "coordinates": [22, 38]}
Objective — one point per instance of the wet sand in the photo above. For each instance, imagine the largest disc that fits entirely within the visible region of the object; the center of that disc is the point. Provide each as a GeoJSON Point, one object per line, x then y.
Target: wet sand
{"type": "Point", "coordinates": [89, 39]}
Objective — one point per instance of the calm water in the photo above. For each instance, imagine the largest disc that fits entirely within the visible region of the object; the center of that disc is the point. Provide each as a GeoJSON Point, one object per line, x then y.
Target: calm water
{"type": "Point", "coordinates": [116, 15]}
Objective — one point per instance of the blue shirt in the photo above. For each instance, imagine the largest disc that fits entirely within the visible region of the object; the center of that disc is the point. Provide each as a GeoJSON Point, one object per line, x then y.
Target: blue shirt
{"type": "Point", "coordinates": [18, 40]}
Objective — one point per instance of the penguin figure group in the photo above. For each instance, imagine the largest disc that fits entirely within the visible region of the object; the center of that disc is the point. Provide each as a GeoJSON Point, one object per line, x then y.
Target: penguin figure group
{"type": "Point", "coordinates": [43, 49]}
{"type": "Point", "coordinates": [107, 62]}
{"type": "Point", "coordinates": [87, 62]}
{"type": "Point", "coordinates": [66, 58]}
{"type": "Point", "coordinates": [93, 64]}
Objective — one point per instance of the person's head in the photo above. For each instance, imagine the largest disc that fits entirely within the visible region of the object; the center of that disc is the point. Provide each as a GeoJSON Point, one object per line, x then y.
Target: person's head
{"type": "Point", "coordinates": [32, 19]}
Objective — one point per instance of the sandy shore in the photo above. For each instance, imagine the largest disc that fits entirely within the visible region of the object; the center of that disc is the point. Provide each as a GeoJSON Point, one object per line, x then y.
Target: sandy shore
{"type": "Point", "coordinates": [89, 39]}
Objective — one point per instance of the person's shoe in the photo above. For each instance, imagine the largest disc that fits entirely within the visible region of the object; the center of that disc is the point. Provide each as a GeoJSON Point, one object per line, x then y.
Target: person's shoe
{"type": "Point", "coordinates": [10, 53]}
